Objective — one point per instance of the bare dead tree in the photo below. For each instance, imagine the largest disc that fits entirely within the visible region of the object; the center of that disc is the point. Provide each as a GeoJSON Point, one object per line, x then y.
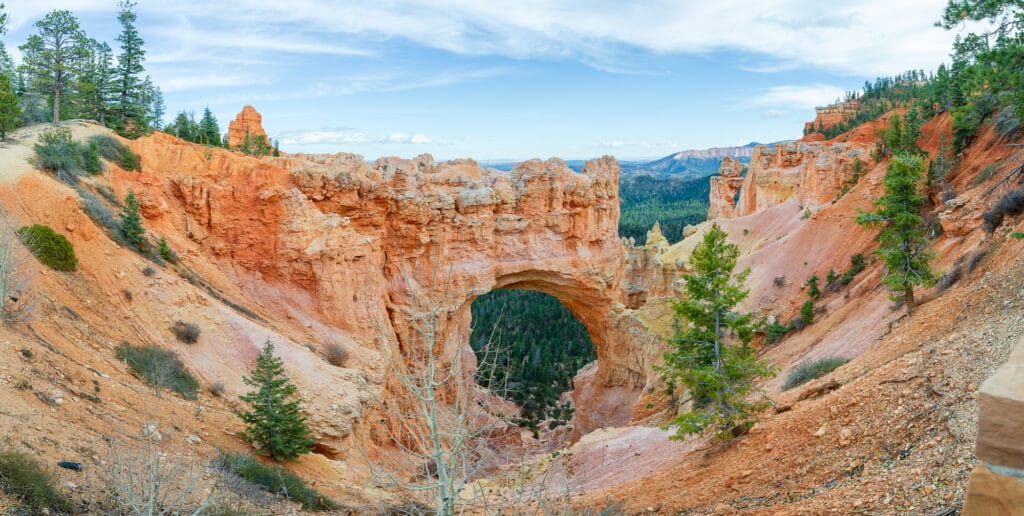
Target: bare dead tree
{"type": "Point", "coordinates": [147, 479]}
{"type": "Point", "coordinates": [440, 421]}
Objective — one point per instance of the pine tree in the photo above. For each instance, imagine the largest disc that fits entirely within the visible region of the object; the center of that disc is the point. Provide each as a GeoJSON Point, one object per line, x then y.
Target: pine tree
{"type": "Point", "coordinates": [807, 312]}
{"type": "Point", "coordinates": [209, 132]}
{"type": "Point", "coordinates": [10, 111]}
{"type": "Point", "coordinates": [274, 422]}
{"type": "Point", "coordinates": [129, 71]}
{"type": "Point", "coordinates": [95, 83]}
{"type": "Point", "coordinates": [51, 57]}
{"type": "Point", "coordinates": [131, 222]}
{"type": "Point", "coordinates": [813, 291]}
{"type": "Point", "coordinates": [712, 357]}
{"type": "Point", "coordinates": [165, 250]}
{"type": "Point", "coordinates": [902, 237]}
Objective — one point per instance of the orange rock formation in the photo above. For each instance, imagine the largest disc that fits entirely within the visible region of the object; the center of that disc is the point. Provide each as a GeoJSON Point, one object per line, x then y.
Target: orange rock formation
{"type": "Point", "coordinates": [362, 241]}
{"type": "Point", "coordinates": [248, 122]}
{"type": "Point", "coordinates": [723, 189]}
{"type": "Point", "coordinates": [812, 172]}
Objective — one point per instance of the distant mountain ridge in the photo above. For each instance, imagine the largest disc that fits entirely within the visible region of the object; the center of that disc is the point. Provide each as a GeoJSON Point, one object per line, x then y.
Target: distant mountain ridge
{"type": "Point", "coordinates": [693, 163]}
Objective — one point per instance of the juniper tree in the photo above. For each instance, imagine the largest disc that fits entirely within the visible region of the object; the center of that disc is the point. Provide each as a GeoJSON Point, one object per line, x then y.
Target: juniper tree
{"type": "Point", "coordinates": [902, 237]}
{"type": "Point", "coordinates": [131, 222]}
{"type": "Point", "coordinates": [274, 423]}
{"type": "Point", "coordinates": [712, 357]}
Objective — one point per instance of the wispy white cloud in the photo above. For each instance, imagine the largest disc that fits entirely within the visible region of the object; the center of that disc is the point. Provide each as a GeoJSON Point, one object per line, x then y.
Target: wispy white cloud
{"type": "Point", "coordinates": [867, 37]}
{"type": "Point", "coordinates": [796, 97]}
{"type": "Point", "coordinates": [348, 136]}
{"type": "Point", "coordinates": [634, 145]}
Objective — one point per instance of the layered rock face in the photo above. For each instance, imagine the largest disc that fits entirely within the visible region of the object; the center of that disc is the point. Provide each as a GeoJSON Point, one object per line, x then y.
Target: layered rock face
{"type": "Point", "coordinates": [829, 116]}
{"type": "Point", "coordinates": [248, 122]}
{"type": "Point", "coordinates": [814, 172]}
{"type": "Point", "coordinates": [723, 189]}
{"type": "Point", "coordinates": [374, 249]}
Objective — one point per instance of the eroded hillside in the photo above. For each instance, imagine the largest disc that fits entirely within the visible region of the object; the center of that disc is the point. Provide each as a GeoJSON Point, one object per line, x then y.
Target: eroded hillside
{"type": "Point", "coordinates": [310, 251]}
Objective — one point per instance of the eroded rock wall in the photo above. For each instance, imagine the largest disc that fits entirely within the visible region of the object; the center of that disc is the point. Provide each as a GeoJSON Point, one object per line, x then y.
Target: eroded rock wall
{"type": "Point", "coordinates": [813, 172]}
{"type": "Point", "coordinates": [373, 248]}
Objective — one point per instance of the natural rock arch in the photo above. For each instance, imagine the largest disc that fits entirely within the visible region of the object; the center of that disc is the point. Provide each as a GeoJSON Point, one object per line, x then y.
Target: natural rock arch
{"type": "Point", "coordinates": [357, 243]}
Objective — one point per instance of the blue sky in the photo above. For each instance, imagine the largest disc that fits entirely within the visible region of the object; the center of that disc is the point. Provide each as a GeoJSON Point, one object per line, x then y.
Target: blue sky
{"type": "Point", "coordinates": [496, 80]}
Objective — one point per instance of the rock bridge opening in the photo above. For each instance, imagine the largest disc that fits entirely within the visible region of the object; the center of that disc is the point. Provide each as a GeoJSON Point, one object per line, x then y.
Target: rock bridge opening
{"type": "Point", "coordinates": [528, 347]}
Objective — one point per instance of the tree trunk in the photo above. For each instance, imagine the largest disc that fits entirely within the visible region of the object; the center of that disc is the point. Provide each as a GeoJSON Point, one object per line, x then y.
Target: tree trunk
{"type": "Point", "coordinates": [908, 298]}
{"type": "Point", "coordinates": [56, 106]}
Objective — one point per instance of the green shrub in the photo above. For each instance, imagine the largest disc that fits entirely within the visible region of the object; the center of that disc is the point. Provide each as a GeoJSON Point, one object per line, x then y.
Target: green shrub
{"type": "Point", "coordinates": [91, 159]}
{"type": "Point", "coordinates": [52, 248]}
{"type": "Point", "coordinates": [273, 479]}
{"type": "Point", "coordinates": [24, 478]}
{"type": "Point", "coordinates": [812, 369]}
{"type": "Point", "coordinates": [100, 214]}
{"type": "Point", "coordinates": [775, 331]}
{"type": "Point", "coordinates": [56, 151]}
{"type": "Point", "coordinates": [807, 312]}
{"type": "Point", "coordinates": [159, 368]}
{"type": "Point", "coordinates": [165, 251]}
{"type": "Point", "coordinates": [1017, 234]}
{"type": "Point", "coordinates": [856, 266]}
{"type": "Point", "coordinates": [109, 147]}
{"type": "Point", "coordinates": [130, 161]}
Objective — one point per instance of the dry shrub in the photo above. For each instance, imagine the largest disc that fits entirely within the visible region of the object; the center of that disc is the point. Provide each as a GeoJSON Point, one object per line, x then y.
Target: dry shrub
{"type": "Point", "coordinates": [1010, 204]}
{"type": "Point", "coordinates": [335, 354]}
{"type": "Point", "coordinates": [186, 332]}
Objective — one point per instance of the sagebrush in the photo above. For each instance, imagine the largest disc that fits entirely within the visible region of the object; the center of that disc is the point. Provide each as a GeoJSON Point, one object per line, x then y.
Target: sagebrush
{"type": "Point", "coordinates": [159, 368]}
{"type": "Point", "coordinates": [812, 369]}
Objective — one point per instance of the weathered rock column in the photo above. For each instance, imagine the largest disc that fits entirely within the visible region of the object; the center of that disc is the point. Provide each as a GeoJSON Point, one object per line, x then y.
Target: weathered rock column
{"type": "Point", "coordinates": [996, 485]}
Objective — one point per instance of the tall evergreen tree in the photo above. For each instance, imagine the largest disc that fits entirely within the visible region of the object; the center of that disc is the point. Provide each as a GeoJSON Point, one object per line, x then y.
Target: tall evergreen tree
{"type": "Point", "coordinates": [711, 357]}
{"type": "Point", "coordinates": [209, 132]}
{"type": "Point", "coordinates": [129, 70]}
{"type": "Point", "coordinates": [274, 422]}
{"type": "Point", "coordinates": [131, 222]}
{"type": "Point", "coordinates": [154, 105]}
{"type": "Point", "coordinates": [902, 237]}
{"type": "Point", "coordinates": [184, 126]}
{"type": "Point", "coordinates": [10, 111]}
{"type": "Point", "coordinates": [51, 57]}
{"type": "Point", "coordinates": [96, 82]}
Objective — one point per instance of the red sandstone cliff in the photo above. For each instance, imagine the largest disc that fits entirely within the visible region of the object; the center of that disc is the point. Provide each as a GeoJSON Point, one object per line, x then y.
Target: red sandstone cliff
{"type": "Point", "coordinates": [812, 172]}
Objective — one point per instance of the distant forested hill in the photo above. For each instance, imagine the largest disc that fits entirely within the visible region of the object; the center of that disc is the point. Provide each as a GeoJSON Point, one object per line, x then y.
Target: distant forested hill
{"type": "Point", "coordinates": [529, 346]}
{"type": "Point", "coordinates": [673, 202]}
